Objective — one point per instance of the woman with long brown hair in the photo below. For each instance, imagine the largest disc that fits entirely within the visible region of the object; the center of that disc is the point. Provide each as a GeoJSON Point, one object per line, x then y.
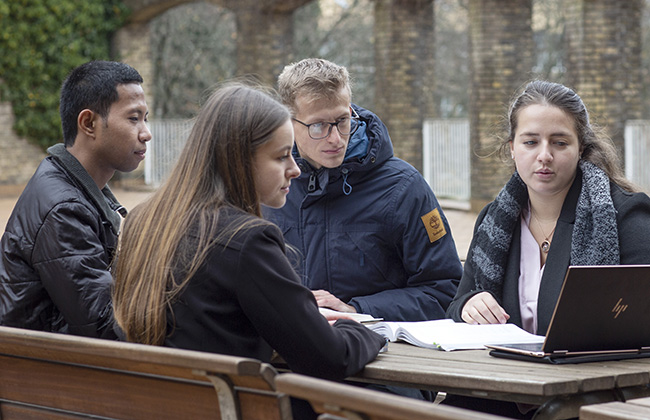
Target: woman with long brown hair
{"type": "Point", "coordinates": [199, 269]}
{"type": "Point", "coordinates": [567, 203]}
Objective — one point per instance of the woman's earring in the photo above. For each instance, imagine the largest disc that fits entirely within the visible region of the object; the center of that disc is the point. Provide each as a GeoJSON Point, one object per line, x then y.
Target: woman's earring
{"type": "Point", "coordinates": [512, 156]}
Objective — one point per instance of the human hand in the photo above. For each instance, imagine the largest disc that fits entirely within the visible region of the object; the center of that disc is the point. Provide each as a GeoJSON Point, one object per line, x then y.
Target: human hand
{"type": "Point", "coordinates": [332, 316]}
{"type": "Point", "coordinates": [325, 299]}
{"type": "Point", "coordinates": [483, 308]}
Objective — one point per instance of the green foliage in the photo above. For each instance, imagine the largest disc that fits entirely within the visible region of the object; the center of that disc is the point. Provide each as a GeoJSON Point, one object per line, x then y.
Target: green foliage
{"type": "Point", "coordinates": [41, 41]}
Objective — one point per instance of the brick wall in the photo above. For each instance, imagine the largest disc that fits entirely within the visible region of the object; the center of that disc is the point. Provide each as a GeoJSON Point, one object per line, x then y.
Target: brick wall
{"type": "Point", "coordinates": [404, 74]}
{"type": "Point", "coordinates": [18, 157]}
{"type": "Point", "coordinates": [131, 45]}
{"type": "Point", "coordinates": [501, 54]}
{"type": "Point", "coordinates": [604, 60]}
{"type": "Point", "coordinates": [264, 42]}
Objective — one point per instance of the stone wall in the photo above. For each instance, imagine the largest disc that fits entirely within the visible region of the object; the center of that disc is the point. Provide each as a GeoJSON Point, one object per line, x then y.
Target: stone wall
{"type": "Point", "coordinates": [264, 42]}
{"type": "Point", "coordinates": [604, 60]}
{"type": "Point", "coordinates": [404, 72]}
{"type": "Point", "coordinates": [18, 157]}
{"type": "Point", "coordinates": [501, 54]}
{"type": "Point", "coordinates": [603, 65]}
{"type": "Point", "coordinates": [132, 45]}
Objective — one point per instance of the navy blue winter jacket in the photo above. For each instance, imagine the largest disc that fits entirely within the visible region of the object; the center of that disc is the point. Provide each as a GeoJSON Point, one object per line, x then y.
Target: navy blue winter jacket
{"type": "Point", "coordinates": [364, 231]}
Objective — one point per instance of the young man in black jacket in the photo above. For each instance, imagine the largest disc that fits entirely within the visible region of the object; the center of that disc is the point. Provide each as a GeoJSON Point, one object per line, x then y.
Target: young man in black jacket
{"type": "Point", "coordinates": [60, 238]}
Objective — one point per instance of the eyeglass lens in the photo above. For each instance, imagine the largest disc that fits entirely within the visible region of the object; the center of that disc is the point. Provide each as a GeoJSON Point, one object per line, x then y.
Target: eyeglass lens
{"type": "Point", "coordinates": [345, 126]}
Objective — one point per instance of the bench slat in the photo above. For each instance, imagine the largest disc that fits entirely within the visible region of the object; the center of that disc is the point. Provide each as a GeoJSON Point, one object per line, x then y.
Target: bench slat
{"type": "Point", "coordinates": [45, 375]}
{"type": "Point", "coordinates": [351, 402]}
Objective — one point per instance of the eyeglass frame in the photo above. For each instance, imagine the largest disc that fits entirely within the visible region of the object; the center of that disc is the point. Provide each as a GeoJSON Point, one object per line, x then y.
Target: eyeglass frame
{"type": "Point", "coordinates": [353, 116]}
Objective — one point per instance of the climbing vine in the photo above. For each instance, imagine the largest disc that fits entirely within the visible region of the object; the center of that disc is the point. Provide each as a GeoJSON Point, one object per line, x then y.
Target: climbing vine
{"type": "Point", "coordinates": [40, 42]}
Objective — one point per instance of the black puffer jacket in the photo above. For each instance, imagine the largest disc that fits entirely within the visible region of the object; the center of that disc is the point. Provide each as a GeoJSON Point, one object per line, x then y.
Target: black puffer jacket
{"type": "Point", "coordinates": [56, 251]}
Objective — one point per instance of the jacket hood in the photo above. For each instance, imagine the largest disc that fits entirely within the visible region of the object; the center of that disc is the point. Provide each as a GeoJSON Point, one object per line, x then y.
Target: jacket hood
{"type": "Point", "coordinates": [370, 145]}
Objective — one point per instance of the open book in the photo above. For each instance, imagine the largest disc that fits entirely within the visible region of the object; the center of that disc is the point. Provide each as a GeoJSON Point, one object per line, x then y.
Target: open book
{"type": "Point", "coordinates": [445, 334]}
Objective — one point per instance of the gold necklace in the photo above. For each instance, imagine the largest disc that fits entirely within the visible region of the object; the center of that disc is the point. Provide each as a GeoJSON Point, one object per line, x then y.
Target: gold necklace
{"type": "Point", "coordinates": [546, 244]}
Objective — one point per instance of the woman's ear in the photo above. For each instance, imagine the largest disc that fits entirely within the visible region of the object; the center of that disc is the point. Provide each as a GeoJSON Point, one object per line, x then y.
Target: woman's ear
{"type": "Point", "coordinates": [512, 151]}
{"type": "Point", "coordinates": [86, 122]}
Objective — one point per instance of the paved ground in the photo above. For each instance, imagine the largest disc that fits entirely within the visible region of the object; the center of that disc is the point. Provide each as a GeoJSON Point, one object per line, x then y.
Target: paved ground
{"type": "Point", "coordinates": [461, 221]}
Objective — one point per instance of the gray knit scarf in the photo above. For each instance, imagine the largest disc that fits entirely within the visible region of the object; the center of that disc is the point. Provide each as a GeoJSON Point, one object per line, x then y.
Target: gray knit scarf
{"type": "Point", "coordinates": [595, 233]}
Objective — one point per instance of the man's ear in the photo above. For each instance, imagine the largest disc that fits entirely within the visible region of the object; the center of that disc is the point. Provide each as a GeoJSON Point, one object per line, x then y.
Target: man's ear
{"type": "Point", "coordinates": [87, 120]}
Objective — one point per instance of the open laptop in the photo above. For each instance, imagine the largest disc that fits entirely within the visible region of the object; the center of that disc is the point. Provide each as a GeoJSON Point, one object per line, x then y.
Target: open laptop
{"type": "Point", "coordinates": [602, 313]}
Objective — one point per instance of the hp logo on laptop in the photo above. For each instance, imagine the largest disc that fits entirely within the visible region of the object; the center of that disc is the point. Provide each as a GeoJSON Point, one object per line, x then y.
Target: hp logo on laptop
{"type": "Point", "coordinates": [618, 308]}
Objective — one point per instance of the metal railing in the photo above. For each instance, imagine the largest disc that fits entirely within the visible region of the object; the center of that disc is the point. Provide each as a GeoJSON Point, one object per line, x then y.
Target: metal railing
{"type": "Point", "coordinates": [637, 153]}
{"type": "Point", "coordinates": [446, 158]}
{"type": "Point", "coordinates": [169, 137]}
{"type": "Point", "coordinates": [446, 154]}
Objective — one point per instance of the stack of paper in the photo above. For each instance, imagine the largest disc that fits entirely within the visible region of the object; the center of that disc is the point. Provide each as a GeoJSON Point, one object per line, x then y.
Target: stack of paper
{"type": "Point", "coordinates": [332, 314]}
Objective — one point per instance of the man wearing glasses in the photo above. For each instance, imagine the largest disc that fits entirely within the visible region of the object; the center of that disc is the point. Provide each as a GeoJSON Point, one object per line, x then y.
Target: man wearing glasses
{"type": "Point", "coordinates": [370, 234]}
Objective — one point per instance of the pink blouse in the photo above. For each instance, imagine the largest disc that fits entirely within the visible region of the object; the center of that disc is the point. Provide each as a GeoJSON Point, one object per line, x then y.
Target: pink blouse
{"type": "Point", "coordinates": [530, 275]}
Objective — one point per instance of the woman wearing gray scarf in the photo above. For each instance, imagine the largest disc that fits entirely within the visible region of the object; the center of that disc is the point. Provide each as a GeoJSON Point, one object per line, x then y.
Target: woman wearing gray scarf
{"type": "Point", "coordinates": [568, 203]}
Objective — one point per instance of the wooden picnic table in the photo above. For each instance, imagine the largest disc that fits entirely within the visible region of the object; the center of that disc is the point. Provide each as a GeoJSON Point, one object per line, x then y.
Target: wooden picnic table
{"type": "Point", "coordinates": [559, 390]}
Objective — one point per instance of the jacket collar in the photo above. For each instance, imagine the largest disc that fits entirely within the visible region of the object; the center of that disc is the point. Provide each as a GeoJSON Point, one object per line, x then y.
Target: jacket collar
{"type": "Point", "coordinates": [103, 199]}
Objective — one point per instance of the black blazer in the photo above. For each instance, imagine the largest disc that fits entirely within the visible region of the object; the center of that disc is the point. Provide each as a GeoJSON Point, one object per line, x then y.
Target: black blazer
{"type": "Point", "coordinates": [633, 221]}
{"type": "Point", "coordinates": [246, 300]}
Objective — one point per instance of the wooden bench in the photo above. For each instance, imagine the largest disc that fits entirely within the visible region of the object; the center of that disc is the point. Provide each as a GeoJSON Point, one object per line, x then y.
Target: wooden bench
{"type": "Point", "coordinates": [341, 401]}
{"type": "Point", "coordinates": [634, 409]}
{"type": "Point", "coordinates": [45, 375]}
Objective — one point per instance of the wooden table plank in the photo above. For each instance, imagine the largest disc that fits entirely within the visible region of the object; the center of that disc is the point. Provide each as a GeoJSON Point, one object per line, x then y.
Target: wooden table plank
{"type": "Point", "coordinates": [473, 369]}
{"type": "Point", "coordinates": [614, 411]}
{"type": "Point", "coordinates": [645, 402]}
{"type": "Point", "coordinates": [593, 376]}
{"type": "Point", "coordinates": [478, 371]}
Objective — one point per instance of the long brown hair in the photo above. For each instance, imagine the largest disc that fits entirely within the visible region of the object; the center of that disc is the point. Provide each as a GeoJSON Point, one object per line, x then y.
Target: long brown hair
{"type": "Point", "coordinates": [215, 169]}
{"type": "Point", "coordinates": [595, 146]}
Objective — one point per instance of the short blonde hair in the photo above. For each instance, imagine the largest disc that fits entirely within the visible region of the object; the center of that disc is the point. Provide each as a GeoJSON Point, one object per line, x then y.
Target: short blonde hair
{"type": "Point", "coordinates": [314, 78]}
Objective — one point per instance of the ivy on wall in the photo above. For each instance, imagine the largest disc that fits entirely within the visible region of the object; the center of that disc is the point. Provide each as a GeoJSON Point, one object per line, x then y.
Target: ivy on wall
{"type": "Point", "coordinates": [40, 42]}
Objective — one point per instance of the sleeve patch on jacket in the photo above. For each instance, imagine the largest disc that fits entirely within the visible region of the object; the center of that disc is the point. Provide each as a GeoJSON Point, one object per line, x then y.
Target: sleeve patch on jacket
{"type": "Point", "coordinates": [434, 226]}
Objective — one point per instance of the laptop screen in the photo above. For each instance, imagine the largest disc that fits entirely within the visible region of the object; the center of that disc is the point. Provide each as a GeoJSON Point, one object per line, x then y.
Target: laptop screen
{"type": "Point", "coordinates": [601, 308]}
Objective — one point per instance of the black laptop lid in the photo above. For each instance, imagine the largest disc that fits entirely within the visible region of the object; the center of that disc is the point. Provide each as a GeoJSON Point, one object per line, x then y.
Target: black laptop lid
{"type": "Point", "coordinates": [601, 308]}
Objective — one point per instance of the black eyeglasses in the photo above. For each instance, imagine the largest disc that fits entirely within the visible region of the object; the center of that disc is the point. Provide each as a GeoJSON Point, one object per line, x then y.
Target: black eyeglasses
{"type": "Point", "coordinates": [346, 126]}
